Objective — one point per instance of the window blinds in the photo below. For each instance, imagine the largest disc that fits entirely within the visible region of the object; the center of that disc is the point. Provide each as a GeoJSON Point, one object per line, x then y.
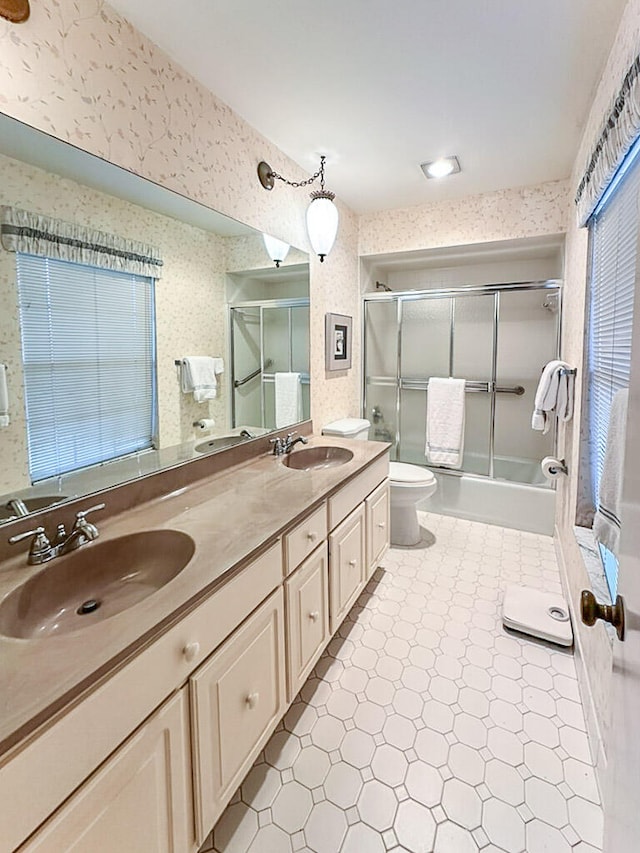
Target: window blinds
{"type": "Point", "coordinates": [88, 345]}
{"type": "Point", "coordinates": [613, 235]}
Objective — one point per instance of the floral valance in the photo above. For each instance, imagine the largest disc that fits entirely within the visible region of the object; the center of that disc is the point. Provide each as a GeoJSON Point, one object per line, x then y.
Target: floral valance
{"type": "Point", "coordinates": [33, 234]}
{"type": "Point", "coordinates": [619, 132]}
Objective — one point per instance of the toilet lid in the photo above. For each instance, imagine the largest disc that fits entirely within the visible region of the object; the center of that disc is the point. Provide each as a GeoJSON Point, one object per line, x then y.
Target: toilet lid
{"type": "Point", "coordinates": [412, 475]}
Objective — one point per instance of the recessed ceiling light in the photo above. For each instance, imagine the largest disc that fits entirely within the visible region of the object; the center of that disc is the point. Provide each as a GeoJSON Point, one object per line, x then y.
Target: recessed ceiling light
{"type": "Point", "coordinates": [441, 168]}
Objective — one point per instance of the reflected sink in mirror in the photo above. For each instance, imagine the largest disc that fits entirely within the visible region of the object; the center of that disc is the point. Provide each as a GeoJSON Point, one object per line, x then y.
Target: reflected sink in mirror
{"type": "Point", "coordinates": [219, 443]}
{"type": "Point", "coordinates": [313, 458]}
{"type": "Point", "coordinates": [94, 583]}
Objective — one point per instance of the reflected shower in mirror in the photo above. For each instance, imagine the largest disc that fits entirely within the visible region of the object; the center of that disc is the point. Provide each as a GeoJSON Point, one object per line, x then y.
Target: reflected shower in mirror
{"type": "Point", "coordinates": [67, 327]}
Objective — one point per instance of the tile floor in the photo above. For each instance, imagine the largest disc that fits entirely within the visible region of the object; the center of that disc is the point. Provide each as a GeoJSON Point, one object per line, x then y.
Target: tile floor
{"type": "Point", "coordinates": [425, 727]}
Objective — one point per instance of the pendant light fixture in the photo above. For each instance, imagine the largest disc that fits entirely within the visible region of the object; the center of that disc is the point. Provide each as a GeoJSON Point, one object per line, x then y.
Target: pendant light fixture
{"type": "Point", "coordinates": [276, 249]}
{"type": "Point", "coordinates": [322, 214]}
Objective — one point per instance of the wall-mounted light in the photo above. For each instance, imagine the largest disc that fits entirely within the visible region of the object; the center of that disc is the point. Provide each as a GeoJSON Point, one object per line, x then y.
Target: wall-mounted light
{"type": "Point", "coordinates": [441, 168]}
{"type": "Point", "coordinates": [322, 214]}
{"type": "Point", "coordinates": [276, 249]}
{"type": "Point", "coordinates": [15, 11]}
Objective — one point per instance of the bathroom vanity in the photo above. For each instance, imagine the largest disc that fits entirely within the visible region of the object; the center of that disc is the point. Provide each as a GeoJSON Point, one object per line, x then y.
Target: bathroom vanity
{"type": "Point", "coordinates": [135, 731]}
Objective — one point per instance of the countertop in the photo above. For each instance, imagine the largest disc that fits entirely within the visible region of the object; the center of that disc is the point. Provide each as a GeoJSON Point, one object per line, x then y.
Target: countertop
{"type": "Point", "coordinates": [232, 516]}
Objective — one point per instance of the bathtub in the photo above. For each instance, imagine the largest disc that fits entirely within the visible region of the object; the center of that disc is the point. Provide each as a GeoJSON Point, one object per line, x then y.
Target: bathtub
{"type": "Point", "coordinates": [505, 500]}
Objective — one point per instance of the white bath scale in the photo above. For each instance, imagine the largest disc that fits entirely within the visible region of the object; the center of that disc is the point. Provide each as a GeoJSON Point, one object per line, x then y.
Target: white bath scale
{"type": "Point", "coordinates": [541, 614]}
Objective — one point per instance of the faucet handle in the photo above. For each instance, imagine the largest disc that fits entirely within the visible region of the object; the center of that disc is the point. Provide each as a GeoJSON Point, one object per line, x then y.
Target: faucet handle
{"type": "Point", "coordinates": [85, 512]}
{"type": "Point", "coordinates": [40, 550]}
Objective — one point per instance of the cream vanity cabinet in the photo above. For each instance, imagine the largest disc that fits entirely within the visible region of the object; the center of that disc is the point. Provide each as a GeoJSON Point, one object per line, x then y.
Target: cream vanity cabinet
{"type": "Point", "coordinates": [151, 756]}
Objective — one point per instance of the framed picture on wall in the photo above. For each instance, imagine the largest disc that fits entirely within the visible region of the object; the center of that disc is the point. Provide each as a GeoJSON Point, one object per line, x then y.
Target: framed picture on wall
{"type": "Point", "coordinates": [337, 331]}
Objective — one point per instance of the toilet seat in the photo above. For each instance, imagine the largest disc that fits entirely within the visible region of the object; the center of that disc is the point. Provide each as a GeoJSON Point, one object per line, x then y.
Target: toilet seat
{"type": "Point", "coordinates": [403, 474]}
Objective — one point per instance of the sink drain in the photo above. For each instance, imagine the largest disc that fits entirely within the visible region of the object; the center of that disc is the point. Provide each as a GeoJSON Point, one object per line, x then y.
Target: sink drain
{"type": "Point", "coordinates": [88, 606]}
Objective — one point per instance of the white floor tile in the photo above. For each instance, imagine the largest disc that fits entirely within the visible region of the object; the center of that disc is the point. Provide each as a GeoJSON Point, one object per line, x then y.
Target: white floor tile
{"type": "Point", "coordinates": [426, 726]}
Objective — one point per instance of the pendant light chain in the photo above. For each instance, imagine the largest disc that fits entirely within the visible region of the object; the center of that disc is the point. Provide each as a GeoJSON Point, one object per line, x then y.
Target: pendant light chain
{"type": "Point", "coordinates": [318, 174]}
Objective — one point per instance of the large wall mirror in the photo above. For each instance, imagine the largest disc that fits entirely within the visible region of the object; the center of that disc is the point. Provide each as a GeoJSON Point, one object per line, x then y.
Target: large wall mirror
{"type": "Point", "coordinates": [82, 345]}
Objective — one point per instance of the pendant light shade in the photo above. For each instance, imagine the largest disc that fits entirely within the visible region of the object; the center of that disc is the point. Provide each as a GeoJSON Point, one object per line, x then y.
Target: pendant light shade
{"type": "Point", "coordinates": [322, 223]}
{"type": "Point", "coordinates": [276, 249]}
{"type": "Point", "coordinates": [322, 214]}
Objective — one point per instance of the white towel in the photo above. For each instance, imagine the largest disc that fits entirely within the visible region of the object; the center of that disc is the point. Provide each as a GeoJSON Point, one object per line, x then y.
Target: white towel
{"type": "Point", "coordinates": [554, 395]}
{"type": "Point", "coordinates": [445, 422]}
{"type": "Point", "coordinates": [606, 524]}
{"type": "Point", "coordinates": [198, 376]}
{"type": "Point", "coordinates": [288, 399]}
{"type": "Point", "coordinates": [4, 397]}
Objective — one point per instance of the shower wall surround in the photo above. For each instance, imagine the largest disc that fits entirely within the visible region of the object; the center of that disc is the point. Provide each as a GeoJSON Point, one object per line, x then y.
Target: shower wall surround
{"type": "Point", "coordinates": [79, 71]}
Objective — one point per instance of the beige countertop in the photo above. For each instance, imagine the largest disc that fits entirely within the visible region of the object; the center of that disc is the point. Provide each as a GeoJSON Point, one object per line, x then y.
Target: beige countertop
{"type": "Point", "coordinates": [231, 516]}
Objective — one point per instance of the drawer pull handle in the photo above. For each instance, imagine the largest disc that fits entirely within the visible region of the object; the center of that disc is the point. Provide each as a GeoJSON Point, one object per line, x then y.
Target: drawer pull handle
{"type": "Point", "coordinates": [252, 700]}
{"type": "Point", "coordinates": [381, 525]}
{"type": "Point", "coordinates": [353, 563]}
{"type": "Point", "coordinates": [312, 536]}
{"type": "Point", "coordinates": [191, 651]}
{"type": "Point", "coordinates": [314, 615]}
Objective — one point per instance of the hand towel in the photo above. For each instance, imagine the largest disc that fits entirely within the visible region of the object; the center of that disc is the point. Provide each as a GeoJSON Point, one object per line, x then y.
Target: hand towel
{"type": "Point", "coordinates": [554, 395]}
{"type": "Point", "coordinates": [288, 399]}
{"type": "Point", "coordinates": [198, 376]}
{"type": "Point", "coordinates": [445, 422]}
{"type": "Point", "coordinates": [4, 397]}
{"type": "Point", "coordinates": [606, 524]}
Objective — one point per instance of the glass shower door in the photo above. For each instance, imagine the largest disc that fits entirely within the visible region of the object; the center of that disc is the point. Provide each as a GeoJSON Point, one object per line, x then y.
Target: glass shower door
{"type": "Point", "coordinates": [381, 365]}
{"type": "Point", "coordinates": [246, 358]}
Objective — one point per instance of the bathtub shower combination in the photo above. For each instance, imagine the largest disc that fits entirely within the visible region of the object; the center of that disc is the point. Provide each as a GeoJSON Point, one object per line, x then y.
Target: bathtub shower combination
{"type": "Point", "coordinates": [498, 338]}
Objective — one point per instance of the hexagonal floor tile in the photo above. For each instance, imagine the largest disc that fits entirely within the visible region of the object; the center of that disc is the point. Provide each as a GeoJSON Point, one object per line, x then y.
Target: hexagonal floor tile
{"type": "Point", "coordinates": [377, 805]}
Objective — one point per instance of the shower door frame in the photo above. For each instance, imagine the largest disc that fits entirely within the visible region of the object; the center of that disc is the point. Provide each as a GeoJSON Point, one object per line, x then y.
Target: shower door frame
{"type": "Point", "coordinates": [402, 296]}
{"type": "Point", "coordinates": [262, 304]}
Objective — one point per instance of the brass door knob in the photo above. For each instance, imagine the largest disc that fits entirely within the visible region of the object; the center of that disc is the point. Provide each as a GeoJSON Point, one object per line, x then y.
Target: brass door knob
{"type": "Point", "coordinates": [591, 611]}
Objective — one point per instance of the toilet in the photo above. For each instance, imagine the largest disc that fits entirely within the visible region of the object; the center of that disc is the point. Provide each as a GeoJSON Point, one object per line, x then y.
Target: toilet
{"type": "Point", "coordinates": [408, 483]}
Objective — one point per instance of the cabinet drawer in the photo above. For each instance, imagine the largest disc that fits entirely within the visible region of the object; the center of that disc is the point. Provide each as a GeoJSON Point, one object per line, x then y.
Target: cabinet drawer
{"type": "Point", "coordinates": [377, 524]}
{"type": "Point", "coordinates": [307, 604]}
{"type": "Point", "coordinates": [91, 730]}
{"type": "Point", "coordinates": [140, 799]}
{"type": "Point", "coordinates": [346, 566]}
{"type": "Point", "coordinates": [341, 504]}
{"type": "Point", "coordinates": [304, 537]}
{"type": "Point", "coordinates": [237, 697]}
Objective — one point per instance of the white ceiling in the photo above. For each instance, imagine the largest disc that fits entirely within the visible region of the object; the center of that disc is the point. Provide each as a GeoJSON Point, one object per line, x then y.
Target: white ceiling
{"type": "Point", "coordinates": [383, 85]}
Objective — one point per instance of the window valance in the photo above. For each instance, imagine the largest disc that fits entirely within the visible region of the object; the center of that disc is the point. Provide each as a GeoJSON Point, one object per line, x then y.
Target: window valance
{"type": "Point", "coordinates": [34, 234]}
{"type": "Point", "coordinates": [619, 132]}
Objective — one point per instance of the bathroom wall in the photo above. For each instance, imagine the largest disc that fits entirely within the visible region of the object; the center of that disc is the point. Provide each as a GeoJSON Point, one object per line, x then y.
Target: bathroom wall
{"type": "Point", "coordinates": [81, 72]}
{"type": "Point", "coordinates": [593, 644]}
{"type": "Point", "coordinates": [190, 301]}
{"type": "Point", "coordinates": [503, 215]}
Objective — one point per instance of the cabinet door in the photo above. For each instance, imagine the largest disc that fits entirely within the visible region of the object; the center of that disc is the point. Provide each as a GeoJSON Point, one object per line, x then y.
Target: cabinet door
{"type": "Point", "coordinates": [237, 698]}
{"type": "Point", "coordinates": [307, 602]}
{"type": "Point", "coordinates": [377, 522]}
{"type": "Point", "coordinates": [346, 565]}
{"type": "Point", "coordinates": [140, 799]}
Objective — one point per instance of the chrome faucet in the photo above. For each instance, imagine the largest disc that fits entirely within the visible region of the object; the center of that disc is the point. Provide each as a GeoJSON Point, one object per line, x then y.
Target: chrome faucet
{"type": "Point", "coordinates": [286, 445]}
{"type": "Point", "coordinates": [42, 550]}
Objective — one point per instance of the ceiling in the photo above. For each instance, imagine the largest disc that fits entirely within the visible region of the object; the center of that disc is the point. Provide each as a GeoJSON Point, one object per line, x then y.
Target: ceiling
{"type": "Point", "coordinates": [381, 86]}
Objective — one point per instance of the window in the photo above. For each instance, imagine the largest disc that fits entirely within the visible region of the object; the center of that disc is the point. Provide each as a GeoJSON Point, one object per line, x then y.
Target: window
{"type": "Point", "coordinates": [613, 232]}
{"type": "Point", "coordinates": [88, 347]}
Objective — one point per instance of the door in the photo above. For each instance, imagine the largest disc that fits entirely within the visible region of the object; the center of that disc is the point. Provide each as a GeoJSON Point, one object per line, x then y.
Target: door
{"type": "Point", "coordinates": [622, 816]}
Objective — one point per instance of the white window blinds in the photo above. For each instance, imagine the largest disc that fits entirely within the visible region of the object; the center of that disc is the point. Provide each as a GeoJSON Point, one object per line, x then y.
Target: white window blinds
{"type": "Point", "coordinates": [613, 235]}
{"type": "Point", "coordinates": [88, 346]}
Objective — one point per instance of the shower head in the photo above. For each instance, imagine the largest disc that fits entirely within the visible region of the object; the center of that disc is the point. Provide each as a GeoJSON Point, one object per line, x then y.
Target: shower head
{"type": "Point", "coordinates": [381, 286]}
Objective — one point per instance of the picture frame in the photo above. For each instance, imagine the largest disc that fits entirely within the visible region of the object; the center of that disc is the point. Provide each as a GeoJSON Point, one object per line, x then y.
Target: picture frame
{"type": "Point", "coordinates": [338, 329]}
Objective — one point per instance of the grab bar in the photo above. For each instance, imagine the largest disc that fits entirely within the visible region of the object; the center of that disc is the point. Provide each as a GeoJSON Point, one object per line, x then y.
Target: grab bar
{"type": "Point", "coordinates": [238, 382]}
{"type": "Point", "coordinates": [471, 386]}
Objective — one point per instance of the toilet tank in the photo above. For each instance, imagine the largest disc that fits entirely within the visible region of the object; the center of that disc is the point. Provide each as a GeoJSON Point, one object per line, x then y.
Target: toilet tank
{"type": "Point", "coordinates": [348, 428]}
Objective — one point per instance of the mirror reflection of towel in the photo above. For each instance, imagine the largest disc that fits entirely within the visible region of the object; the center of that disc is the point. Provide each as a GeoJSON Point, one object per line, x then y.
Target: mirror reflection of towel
{"type": "Point", "coordinates": [4, 397]}
{"type": "Point", "coordinates": [606, 524]}
{"type": "Point", "coordinates": [288, 399]}
{"type": "Point", "coordinates": [198, 376]}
